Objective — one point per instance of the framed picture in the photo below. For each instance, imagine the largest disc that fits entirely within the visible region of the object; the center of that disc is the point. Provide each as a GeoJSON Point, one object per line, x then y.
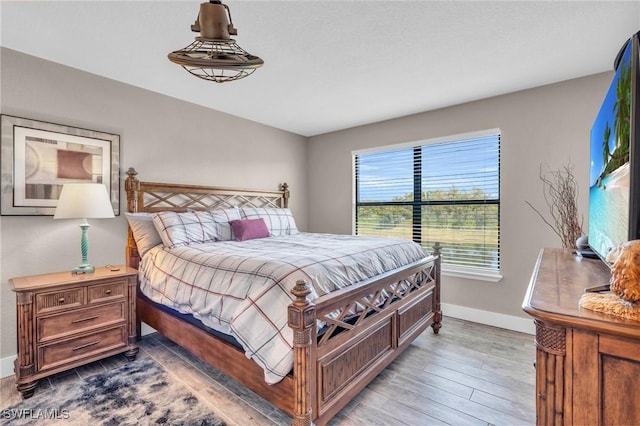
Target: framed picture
{"type": "Point", "coordinates": [37, 158]}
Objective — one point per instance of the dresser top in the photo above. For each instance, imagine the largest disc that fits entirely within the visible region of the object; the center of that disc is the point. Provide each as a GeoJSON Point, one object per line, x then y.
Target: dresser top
{"type": "Point", "coordinates": [559, 280]}
{"type": "Point", "coordinates": [36, 282]}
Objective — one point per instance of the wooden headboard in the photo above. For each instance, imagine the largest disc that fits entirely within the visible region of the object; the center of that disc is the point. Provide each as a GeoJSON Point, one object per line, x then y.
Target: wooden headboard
{"type": "Point", "coordinates": [155, 197]}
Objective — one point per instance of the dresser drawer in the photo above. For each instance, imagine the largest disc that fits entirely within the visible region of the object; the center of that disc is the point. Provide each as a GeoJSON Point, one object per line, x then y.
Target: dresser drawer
{"type": "Point", "coordinates": [58, 300]}
{"type": "Point", "coordinates": [73, 350]}
{"type": "Point", "coordinates": [78, 321]}
{"type": "Point", "coordinates": [109, 291]}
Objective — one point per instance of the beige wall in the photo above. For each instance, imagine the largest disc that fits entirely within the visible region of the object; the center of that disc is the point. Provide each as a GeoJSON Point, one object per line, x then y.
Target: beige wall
{"type": "Point", "coordinates": [546, 125]}
{"type": "Point", "coordinates": [163, 138]}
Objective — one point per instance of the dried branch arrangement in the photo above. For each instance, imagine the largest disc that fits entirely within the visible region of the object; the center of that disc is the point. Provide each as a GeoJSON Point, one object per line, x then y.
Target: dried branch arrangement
{"type": "Point", "coordinates": [560, 191]}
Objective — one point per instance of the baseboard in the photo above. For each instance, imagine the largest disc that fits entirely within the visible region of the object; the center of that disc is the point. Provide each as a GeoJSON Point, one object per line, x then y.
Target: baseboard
{"type": "Point", "coordinates": [494, 319]}
{"type": "Point", "coordinates": [146, 329]}
{"type": "Point", "coordinates": [6, 366]}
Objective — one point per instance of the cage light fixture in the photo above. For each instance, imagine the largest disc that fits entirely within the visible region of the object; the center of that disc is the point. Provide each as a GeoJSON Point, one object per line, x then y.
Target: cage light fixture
{"type": "Point", "coordinates": [215, 56]}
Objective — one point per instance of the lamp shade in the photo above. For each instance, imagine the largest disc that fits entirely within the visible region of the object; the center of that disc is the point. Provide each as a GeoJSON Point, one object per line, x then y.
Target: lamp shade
{"type": "Point", "coordinates": [83, 201]}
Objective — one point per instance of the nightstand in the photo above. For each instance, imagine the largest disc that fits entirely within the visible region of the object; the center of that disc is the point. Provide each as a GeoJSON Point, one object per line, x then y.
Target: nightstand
{"type": "Point", "coordinates": [67, 320]}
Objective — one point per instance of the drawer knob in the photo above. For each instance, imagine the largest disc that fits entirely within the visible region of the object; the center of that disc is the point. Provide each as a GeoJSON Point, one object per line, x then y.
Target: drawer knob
{"type": "Point", "coordinates": [107, 292]}
{"type": "Point", "coordinates": [61, 300]}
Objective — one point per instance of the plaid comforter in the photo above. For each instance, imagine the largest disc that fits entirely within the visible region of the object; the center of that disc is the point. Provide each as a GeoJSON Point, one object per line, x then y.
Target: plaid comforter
{"type": "Point", "coordinates": [243, 288]}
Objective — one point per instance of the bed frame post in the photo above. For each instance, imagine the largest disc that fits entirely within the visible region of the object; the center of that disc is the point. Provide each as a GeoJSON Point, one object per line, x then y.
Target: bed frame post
{"type": "Point", "coordinates": [437, 319]}
{"type": "Point", "coordinates": [285, 195]}
{"type": "Point", "coordinates": [132, 186]}
{"type": "Point", "coordinates": [301, 319]}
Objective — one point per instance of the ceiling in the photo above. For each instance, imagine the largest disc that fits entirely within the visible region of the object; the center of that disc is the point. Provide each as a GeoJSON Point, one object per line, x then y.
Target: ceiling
{"type": "Point", "coordinates": [331, 65]}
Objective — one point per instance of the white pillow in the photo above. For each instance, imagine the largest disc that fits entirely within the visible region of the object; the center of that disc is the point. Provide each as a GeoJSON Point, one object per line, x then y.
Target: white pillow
{"type": "Point", "coordinates": [180, 229]}
{"type": "Point", "coordinates": [222, 217]}
{"type": "Point", "coordinates": [144, 232]}
{"type": "Point", "coordinates": [279, 221]}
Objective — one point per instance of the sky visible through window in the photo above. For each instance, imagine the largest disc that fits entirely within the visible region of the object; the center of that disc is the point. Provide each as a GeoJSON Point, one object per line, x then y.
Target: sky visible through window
{"type": "Point", "coordinates": [464, 165]}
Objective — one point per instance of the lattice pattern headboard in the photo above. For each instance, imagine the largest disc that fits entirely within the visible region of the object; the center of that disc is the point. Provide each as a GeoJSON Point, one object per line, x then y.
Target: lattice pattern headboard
{"type": "Point", "coordinates": [155, 197]}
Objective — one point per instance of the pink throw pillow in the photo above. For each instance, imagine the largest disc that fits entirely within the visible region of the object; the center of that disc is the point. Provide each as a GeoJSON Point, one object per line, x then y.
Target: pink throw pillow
{"type": "Point", "coordinates": [249, 229]}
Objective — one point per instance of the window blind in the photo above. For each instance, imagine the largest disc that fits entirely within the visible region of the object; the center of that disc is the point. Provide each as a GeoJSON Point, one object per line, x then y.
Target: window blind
{"type": "Point", "coordinates": [446, 191]}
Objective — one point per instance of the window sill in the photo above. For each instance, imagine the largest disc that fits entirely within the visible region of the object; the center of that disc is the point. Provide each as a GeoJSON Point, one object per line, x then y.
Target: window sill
{"type": "Point", "coordinates": [471, 273]}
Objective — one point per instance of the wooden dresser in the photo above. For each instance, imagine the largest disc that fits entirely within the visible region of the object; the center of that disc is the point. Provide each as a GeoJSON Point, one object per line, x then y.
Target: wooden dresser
{"type": "Point", "coordinates": [67, 320]}
{"type": "Point", "coordinates": [587, 363]}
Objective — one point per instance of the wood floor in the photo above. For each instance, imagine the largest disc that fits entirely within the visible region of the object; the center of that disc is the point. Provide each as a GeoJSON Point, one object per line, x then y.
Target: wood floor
{"type": "Point", "coordinates": [468, 374]}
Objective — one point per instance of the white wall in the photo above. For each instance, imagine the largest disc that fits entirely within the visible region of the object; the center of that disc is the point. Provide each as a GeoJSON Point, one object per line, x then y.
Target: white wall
{"type": "Point", "coordinates": [546, 125]}
{"type": "Point", "coordinates": [163, 138]}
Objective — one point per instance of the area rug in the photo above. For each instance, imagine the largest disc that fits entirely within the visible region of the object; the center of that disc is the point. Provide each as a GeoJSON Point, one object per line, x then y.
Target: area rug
{"type": "Point", "coordinates": [139, 393]}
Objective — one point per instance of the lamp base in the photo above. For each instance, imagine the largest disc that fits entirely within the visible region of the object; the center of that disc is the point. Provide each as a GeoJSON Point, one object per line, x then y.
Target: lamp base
{"type": "Point", "coordinates": [83, 269]}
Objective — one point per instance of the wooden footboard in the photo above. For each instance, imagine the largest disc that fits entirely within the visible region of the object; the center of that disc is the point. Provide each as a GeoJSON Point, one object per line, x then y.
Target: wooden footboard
{"type": "Point", "coordinates": [392, 310]}
{"type": "Point", "coordinates": [367, 325]}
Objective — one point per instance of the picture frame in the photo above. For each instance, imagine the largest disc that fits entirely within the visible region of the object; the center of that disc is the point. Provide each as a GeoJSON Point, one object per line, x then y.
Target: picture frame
{"type": "Point", "coordinates": [37, 158]}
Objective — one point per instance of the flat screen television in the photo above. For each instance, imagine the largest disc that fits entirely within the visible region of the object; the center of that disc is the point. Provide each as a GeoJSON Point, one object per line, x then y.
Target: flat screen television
{"type": "Point", "coordinates": [614, 187]}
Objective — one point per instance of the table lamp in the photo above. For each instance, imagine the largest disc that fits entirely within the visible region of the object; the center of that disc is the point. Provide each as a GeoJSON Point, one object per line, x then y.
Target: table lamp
{"type": "Point", "coordinates": [83, 201]}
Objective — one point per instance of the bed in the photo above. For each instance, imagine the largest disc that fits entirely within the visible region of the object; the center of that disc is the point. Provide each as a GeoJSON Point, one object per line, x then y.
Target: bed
{"type": "Point", "coordinates": [340, 340]}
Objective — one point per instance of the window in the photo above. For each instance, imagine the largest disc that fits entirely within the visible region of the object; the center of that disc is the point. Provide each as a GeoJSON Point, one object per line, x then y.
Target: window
{"type": "Point", "coordinates": [445, 190]}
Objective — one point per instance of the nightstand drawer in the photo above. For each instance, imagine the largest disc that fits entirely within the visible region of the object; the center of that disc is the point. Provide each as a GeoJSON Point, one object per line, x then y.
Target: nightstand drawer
{"type": "Point", "coordinates": [51, 356]}
{"type": "Point", "coordinates": [78, 321]}
{"type": "Point", "coordinates": [105, 292]}
{"type": "Point", "coordinates": [62, 299]}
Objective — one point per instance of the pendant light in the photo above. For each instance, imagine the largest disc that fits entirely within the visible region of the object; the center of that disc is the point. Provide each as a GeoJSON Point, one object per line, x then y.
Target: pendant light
{"type": "Point", "coordinates": [215, 56]}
